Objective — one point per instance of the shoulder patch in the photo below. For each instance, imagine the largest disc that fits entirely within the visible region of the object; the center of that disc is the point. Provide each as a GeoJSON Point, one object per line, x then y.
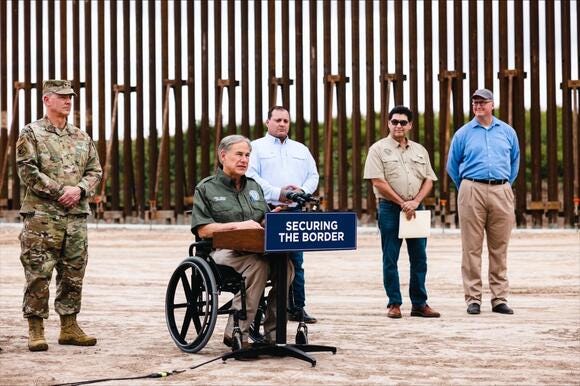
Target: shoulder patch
{"type": "Point", "coordinates": [254, 195]}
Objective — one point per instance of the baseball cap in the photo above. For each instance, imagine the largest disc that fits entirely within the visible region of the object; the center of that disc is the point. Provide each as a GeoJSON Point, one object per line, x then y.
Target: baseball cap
{"type": "Point", "coordinates": [482, 93]}
{"type": "Point", "coordinates": [62, 87]}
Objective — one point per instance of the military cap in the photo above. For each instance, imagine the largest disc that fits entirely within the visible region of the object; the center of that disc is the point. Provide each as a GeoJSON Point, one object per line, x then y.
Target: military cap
{"type": "Point", "coordinates": [482, 93]}
{"type": "Point", "coordinates": [62, 87]}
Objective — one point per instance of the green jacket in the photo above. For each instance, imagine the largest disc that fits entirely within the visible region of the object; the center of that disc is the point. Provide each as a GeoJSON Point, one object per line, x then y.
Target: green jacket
{"type": "Point", "coordinates": [49, 159]}
{"type": "Point", "coordinates": [216, 200]}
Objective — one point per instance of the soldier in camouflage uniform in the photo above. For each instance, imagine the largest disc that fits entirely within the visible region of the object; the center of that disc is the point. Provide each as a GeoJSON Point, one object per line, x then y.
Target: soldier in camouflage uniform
{"type": "Point", "coordinates": [229, 200]}
{"type": "Point", "coordinates": [60, 167]}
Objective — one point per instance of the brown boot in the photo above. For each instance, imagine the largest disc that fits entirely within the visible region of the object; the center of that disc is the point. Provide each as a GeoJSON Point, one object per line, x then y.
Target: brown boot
{"type": "Point", "coordinates": [36, 341]}
{"type": "Point", "coordinates": [71, 333]}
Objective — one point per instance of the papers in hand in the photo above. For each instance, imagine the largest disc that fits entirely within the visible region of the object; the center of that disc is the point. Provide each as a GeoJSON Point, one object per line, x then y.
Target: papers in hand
{"type": "Point", "coordinates": [417, 227]}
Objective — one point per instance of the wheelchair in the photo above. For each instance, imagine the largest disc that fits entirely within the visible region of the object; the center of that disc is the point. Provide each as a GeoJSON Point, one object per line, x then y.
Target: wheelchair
{"type": "Point", "coordinates": [192, 300]}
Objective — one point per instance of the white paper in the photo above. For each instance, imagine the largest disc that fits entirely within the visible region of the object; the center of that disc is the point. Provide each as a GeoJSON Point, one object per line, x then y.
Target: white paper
{"type": "Point", "coordinates": [417, 227]}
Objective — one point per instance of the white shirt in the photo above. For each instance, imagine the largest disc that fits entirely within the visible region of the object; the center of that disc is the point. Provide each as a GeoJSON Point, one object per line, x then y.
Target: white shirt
{"type": "Point", "coordinates": [275, 164]}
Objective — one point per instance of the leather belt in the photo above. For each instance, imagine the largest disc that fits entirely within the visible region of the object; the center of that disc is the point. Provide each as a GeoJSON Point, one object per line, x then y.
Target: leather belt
{"type": "Point", "coordinates": [488, 182]}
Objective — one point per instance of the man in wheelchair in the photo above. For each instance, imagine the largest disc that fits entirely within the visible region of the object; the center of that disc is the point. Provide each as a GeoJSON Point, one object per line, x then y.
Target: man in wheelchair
{"type": "Point", "coordinates": [229, 200]}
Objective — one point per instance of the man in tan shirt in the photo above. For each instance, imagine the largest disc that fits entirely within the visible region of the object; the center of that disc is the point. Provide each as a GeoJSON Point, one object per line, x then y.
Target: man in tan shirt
{"type": "Point", "coordinates": [401, 174]}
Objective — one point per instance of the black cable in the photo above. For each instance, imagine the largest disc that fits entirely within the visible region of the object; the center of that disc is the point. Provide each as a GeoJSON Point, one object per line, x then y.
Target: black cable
{"type": "Point", "coordinates": [161, 374]}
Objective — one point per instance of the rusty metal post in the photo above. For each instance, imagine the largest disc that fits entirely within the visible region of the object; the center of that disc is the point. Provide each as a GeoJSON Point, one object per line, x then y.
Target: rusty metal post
{"type": "Point", "coordinates": [271, 51]}
{"type": "Point", "coordinates": [413, 82]}
{"type": "Point", "coordinates": [458, 114]}
{"type": "Point", "coordinates": [473, 62]}
{"type": "Point", "coordinates": [384, 65]}
{"type": "Point", "coordinates": [428, 119]}
{"type": "Point", "coordinates": [27, 62]}
{"type": "Point", "coordinates": [14, 128]}
{"type": "Point", "coordinates": [51, 41]}
{"type": "Point", "coordinates": [152, 148]}
{"type": "Point", "coordinates": [341, 111]}
{"type": "Point", "coordinates": [102, 144]}
{"type": "Point", "coordinates": [552, 137]}
{"type": "Point", "coordinates": [231, 67]}
{"type": "Point", "coordinates": [535, 113]}
{"type": "Point", "coordinates": [399, 53]}
{"type": "Point", "coordinates": [63, 41]}
{"type": "Point", "coordinates": [128, 180]}
{"type": "Point", "coordinates": [285, 53]}
{"type": "Point", "coordinates": [113, 155]}
{"type": "Point", "coordinates": [356, 116]}
{"type": "Point", "coordinates": [192, 133]}
{"type": "Point", "coordinates": [328, 137]}
{"type": "Point", "coordinates": [4, 143]}
{"type": "Point", "coordinates": [76, 80]}
{"type": "Point", "coordinates": [519, 118]}
{"type": "Point", "coordinates": [370, 113]}
{"type": "Point", "coordinates": [299, 118]}
{"type": "Point", "coordinates": [488, 44]}
{"type": "Point", "coordinates": [447, 80]}
{"type": "Point", "coordinates": [245, 128]}
{"type": "Point", "coordinates": [39, 21]}
{"type": "Point", "coordinates": [504, 100]}
{"type": "Point", "coordinates": [444, 97]}
{"type": "Point", "coordinates": [178, 153]}
{"type": "Point", "coordinates": [140, 139]}
{"type": "Point", "coordinates": [570, 176]}
{"type": "Point", "coordinates": [10, 154]}
{"type": "Point", "coordinates": [88, 42]}
{"type": "Point", "coordinates": [164, 152]}
{"type": "Point", "coordinates": [204, 135]}
{"type": "Point", "coordinates": [314, 146]}
{"type": "Point", "coordinates": [258, 125]}
{"type": "Point", "coordinates": [217, 12]}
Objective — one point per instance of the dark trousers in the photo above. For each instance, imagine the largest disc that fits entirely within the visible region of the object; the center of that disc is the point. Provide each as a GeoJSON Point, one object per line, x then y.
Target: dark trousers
{"type": "Point", "coordinates": [391, 245]}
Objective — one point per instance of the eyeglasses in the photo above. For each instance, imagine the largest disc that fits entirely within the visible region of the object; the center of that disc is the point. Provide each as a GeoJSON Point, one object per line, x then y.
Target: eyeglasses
{"type": "Point", "coordinates": [396, 122]}
{"type": "Point", "coordinates": [479, 103]}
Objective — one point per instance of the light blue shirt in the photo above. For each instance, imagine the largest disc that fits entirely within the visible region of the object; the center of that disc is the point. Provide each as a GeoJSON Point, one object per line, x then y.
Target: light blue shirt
{"type": "Point", "coordinates": [477, 152]}
{"type": "Point", "coordinates": [275, 164]}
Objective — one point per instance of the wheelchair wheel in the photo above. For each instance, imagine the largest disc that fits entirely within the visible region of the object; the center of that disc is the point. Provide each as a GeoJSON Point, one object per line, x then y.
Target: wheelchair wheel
{"type": "Point", "coordinates": [191, 304]}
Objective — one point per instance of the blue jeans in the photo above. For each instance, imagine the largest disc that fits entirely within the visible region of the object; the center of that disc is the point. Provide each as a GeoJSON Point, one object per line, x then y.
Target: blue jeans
{"type": "Point", "coordinates": [391, 245]}
{"type": "Point", "coordinates": [297, 296]}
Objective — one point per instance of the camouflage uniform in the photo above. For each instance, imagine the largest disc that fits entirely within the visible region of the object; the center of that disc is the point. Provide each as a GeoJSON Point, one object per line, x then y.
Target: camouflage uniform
{"type": "Point", "coordinates": [216, 200]}
{"type": "Point", "coordinates": [54, 236]}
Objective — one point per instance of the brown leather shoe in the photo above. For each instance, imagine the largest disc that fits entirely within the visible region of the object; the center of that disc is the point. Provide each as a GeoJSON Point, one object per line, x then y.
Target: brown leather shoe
{"type": "Point", "coordinates": [230, 342]}
{"type": "Point", "coordinates": [394, 311]}
{"type": "Point", "coordinates": [425, 312]}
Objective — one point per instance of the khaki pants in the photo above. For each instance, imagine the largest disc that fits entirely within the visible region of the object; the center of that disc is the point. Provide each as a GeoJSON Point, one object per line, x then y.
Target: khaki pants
{"type": "Point", "coordinates": [256, 270]}
{"type": "Point", "coordinates": [490, 209]}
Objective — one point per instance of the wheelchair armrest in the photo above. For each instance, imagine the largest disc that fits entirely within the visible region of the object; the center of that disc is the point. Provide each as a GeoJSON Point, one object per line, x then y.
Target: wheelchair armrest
{"type": "Point", "coordinates": [203, 246]}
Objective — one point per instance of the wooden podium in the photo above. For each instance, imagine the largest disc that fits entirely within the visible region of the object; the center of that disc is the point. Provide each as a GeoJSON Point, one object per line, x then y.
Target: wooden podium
{"type": "Point", "coordinates": [252, 240]}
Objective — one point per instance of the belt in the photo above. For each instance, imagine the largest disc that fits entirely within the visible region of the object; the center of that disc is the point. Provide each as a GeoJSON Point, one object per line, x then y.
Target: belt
{"type": "Point", "coordinates": [489, 182]}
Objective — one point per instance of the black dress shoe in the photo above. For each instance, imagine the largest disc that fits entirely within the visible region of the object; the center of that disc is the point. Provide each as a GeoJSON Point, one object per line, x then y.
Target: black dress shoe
{"type": "Point", "coordinates": [473, 309]}
{"type": "Point", "coordinates": [503, 308]}
{"type": "Point", "coordinates": [294, 316]}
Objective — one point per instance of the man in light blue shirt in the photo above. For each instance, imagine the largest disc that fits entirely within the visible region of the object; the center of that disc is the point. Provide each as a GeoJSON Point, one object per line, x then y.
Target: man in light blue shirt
{"type": "Point", "coordinates": [281, 165]}
{"type": "Point", "coordinates": [483, 162]}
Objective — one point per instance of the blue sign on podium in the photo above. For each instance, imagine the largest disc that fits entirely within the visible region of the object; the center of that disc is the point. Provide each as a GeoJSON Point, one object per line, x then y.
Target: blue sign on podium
{"type": "Point", "coordinates": [310, 231]}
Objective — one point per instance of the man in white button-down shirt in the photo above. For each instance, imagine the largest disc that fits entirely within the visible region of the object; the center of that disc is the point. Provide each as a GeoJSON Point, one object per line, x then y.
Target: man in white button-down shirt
{"type": "Point", "coordinates": [281, 165]}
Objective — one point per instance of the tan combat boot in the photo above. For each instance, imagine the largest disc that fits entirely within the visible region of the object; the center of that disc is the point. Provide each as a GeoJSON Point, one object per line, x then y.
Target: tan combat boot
{"type": "Point", "coordinates": [36, 341]}
{"type": "Point", "coordinates": [71, 333]}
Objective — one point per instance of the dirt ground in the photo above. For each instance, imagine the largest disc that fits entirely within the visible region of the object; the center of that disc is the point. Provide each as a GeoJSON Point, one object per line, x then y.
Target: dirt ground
{"type": "Point", "coordinates": [123, 305]}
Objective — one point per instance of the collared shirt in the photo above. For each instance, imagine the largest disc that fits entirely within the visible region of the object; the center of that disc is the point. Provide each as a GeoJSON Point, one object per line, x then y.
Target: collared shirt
{"type": "Point", "coordinates": [48, 159]}
{"type": "Point", "coordinates": [275, 164]}
{"type": "Point", "coordinates": [216, 200]}
{"type": "Point", "coordinates": [403, 167]}
{"type": "Point", "coordinates": [484, 153]}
